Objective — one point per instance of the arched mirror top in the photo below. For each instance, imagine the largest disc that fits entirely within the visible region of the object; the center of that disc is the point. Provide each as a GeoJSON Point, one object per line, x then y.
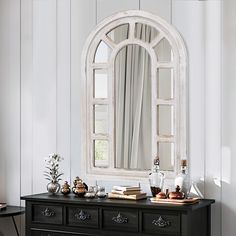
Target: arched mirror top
{"type": "Point", "coordinates": [124, 49]}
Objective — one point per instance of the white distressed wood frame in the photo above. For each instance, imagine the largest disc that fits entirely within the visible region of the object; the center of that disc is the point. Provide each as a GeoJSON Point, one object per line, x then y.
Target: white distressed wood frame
{"type": "Point", "coordinates": [179, 65]}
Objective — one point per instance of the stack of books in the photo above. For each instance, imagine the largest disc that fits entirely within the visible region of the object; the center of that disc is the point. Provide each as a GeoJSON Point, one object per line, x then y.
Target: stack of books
{"type": "Point", "coordinates": [127, 192]}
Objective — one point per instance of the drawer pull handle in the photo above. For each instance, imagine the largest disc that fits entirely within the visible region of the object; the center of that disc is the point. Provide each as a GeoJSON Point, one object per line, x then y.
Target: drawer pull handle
{"type": "Point", "coordinates": [48, 212]}
{"type": "Point", "coordinates": [161, 222]}
{"type": "Point", "coordinates": [119, 219]}
{"type": "Point", "coordinates": [82, 215]}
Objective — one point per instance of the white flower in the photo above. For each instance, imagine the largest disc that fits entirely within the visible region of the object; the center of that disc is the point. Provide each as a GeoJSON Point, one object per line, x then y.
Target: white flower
{"type": "Point", "coordinates": [52, 166]}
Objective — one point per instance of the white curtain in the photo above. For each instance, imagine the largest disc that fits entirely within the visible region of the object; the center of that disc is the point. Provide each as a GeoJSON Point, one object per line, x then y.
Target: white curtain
{"type": "Point", "coordinates": [133, 104]}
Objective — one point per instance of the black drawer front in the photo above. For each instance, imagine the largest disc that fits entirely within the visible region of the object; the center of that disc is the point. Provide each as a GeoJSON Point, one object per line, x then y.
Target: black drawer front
{"type": "Point", "coordinates": [121, 220]}
{"type": "Point", "coordinates": [162, 223]}
{"type": "Point", "coordinates": [82, 217]}
{"type": "Point", "coordinates": [44, 233]}
{"type": "Point", "coordinates": [48, 214]}
{"type": "Point", "coordinates": [41, 233]}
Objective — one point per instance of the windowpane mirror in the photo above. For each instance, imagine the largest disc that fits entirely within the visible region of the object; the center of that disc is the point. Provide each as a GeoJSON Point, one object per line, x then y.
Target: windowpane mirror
{"type": "Point", "coordinates": [165, 83]}
{"type": "Point", "coordinates": [166, 150]}
{"type": "Point", "coordinates": [103, 52]}
{"type": "Point", "coordinates": [134, 85]}
{"type": "Point", "coordinates": [145, 32]}
{"type": "Point", "coordinates": [101, 119]}
{"type": "Point", "coordinates": [100, 88]}
{"type": "Point", "coordinates": [100, 153]}
{"type": "Point", "coordinates": [164, 51]}
{"type": "Point", "coordinates": [165, 122]}
{"type": "Point", "coordinates": [119, 33]}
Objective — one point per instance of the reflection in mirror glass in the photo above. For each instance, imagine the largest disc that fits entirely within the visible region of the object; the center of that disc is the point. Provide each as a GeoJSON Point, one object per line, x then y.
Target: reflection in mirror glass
{"type": "Point", "coordinates": [133, 109]}
{"type": "Point", "coordinates": [119, 34]}
{"type": "Point", "coordinates": [165, 83]}
{"type": "Point", "coordinates": [164, 51]}
{"type": "Point", "coordinates": [100, 119]}
{"type": "Point", "coordinates": [102, 53]}
{"type": "Point", "coordinates": [165, 120]}
{"type": "Point", "coordinates": [166, 154]}
{"type": "Point", "coordinates": [100, 84]}
{"type": "Point", "coordinates": [144, 32]}
{"type": "Point", "coordinates": [100, 153]}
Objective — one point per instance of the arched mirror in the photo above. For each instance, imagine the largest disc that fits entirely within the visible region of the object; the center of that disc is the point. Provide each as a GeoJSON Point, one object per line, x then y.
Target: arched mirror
{"type": "Point", "coordinates": [134, 96]}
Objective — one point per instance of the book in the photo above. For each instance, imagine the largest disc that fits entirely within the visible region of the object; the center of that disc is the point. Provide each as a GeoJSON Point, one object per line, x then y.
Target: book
{"type": "Point", "coordinates": [126, 188]}
{"type": "Point", "coordinates": [128, 197]}
{"type": "Point", "coordinates": [124, 192]}
{"type": "Point", "coordinates": [2, 206]}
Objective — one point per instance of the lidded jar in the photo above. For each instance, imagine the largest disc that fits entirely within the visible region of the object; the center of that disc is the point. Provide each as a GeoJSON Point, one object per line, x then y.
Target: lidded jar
{"type": "Point", "coordinates": [80, 187]}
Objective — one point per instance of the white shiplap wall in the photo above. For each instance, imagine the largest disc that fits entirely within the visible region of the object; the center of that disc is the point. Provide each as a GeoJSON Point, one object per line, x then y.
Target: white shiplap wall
{"type": "Point", "coordinates": [228, 121]}
{"type": "Point", "coordinates": [10, 82]}
{"type": "Point", "coordinates": [40, 56]}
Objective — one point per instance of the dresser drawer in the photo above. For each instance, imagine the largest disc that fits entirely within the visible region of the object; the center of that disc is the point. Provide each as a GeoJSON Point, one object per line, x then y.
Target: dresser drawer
{"type": "Point", "coordinates": [41, 233]}
{"type": "Point", "coordinates": [44, 233]}
{"type": "Point", "coordinates": [120, 219]}
{"type": "Point", "coordinates": [161, 222]}
{"type": "Point", "coordinates": [49, 214]}
{"type": "Point", "coordinates": [82, 217]}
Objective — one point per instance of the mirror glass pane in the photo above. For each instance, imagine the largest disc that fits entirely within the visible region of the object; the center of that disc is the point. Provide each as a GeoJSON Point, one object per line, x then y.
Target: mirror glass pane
{"type": "Point", "coordinates": [100, 153]}
{"type": "Point", "coordinates": [102, 53]}
{"type": "Point", "coordinates": [144, 32]}
{"type": "Point", "coordinates": [166, 154]}
{"type": "Point", "coordinates": [100, 119]}
{"type": "Point", "coordinates": [119, 34]}
{"type": "Point", "coordinates": [100, 84]}
{"type": "Point", "coordinates": [164, 51]}
{"type": "Point", "coordinates": [133, 108]}
{"type": "Point", "coordinates": [165, 83]}
{"type": "Point", "coordinates": [165, 120]}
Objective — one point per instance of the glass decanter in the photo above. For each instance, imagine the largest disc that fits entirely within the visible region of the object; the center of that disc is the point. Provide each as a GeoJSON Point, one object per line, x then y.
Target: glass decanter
{"type": "Point", "coordinates": [156, 178]}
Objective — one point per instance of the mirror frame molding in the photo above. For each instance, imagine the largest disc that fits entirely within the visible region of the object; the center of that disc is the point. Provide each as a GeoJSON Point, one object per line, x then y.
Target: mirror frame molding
{"type": "Point", "coordinates": [179, 49]}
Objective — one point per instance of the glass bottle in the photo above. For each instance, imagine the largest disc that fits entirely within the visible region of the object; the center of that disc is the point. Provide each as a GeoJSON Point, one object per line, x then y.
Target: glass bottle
{"type": "Point", "coordinates": [156, 178]}
{"type": "Point", "coordinates": [101, 192]}
{"type": "Point", "coordinates": [182, 179]}
{"type": "Point", "coordinates": [90, 193]}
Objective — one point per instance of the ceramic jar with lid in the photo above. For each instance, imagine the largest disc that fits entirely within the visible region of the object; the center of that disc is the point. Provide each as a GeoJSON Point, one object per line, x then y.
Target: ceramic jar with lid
{"type": "Point", "coordinates": [177, 194]}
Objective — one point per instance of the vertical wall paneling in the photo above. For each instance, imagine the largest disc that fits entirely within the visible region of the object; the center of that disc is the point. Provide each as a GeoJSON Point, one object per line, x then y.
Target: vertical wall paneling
{"type": "Point", "coordinates": [12, 104]}
{"type": "Point", "coordinates": [63, 84]}
{"type": "Point", "coordinates": [3, 94]}
{"type": "Point", "coordinates": [228, 118]}
{"type": "Point", "coordinates": [188, 18]}
{"type": "Point", "coordinates": [162, 8]}
{"type": "Point", "coordinates": [26, 115]}
{"type": "Point", "coordinates": [26, 96]}
{"type": "Point", "coordinates": [83, 20]}
{"type": "Point", "coordinates": [108, 7]}
{"type": "Point", "coordinates": [44, 88]}
{"type": "Point", "coordinates": [213, 109]}
{"type": "Point", "coordinates": [10, 107]}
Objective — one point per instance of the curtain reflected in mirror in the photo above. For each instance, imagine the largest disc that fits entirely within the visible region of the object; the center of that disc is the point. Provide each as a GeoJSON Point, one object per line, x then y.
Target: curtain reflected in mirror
{"type": "Point", "coordinates": [133, 108]}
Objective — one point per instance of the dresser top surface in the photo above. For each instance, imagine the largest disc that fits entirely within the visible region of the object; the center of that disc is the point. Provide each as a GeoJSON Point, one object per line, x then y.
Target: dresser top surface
{"type": "Point", "coordinates": [144, 204]}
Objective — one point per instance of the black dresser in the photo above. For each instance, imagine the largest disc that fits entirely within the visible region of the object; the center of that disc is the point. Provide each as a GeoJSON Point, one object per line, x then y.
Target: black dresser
{"type": "Point", "coordinates": [70, 216]}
